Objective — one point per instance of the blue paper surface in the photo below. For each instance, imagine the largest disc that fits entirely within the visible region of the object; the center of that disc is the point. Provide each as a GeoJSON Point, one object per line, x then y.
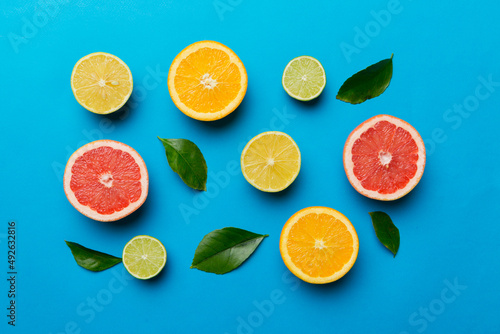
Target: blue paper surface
{"type": "Point", "coordinates": [446, 83]}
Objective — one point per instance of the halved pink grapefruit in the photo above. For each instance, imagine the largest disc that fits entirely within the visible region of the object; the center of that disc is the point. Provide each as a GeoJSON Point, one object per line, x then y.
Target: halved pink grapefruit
{"type": "Point", "coordinates": [384, 158]}
{"type": "Point", "coordinates": [106, 180]}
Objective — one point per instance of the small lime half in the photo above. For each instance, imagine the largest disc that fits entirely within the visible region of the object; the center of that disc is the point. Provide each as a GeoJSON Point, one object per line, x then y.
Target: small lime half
{"type": "Point", "coordinates": [144, 257]}
{"type": "Point", "coordinates": [304, 78]}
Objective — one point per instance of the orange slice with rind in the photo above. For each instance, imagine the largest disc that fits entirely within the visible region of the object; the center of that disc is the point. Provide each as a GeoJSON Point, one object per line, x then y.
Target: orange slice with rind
{"type": "Point", "coordinates": [319, 245]}
{"type": "Point", "coordinates": [207, 81]}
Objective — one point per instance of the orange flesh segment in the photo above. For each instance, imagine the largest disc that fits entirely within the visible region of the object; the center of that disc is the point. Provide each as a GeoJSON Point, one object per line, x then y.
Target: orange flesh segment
{"type": "Point", "coordinates": [207, 81]}
{"type": "Point", "coordinates": [320, 245]}
{"type": "Point", "coordinates": [106, 180]}
{"type": "Point", "coordinates": [385, 158]}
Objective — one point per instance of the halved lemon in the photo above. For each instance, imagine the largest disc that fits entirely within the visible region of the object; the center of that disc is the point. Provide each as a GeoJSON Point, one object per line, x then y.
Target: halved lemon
{"type": "Point", "coordinates": [319, 245]}
{"type": "Point", "coordinates": [270, 161]}
{"type": "Point", "coordinates": [207, 81]}
{"type": "Point", "coordinates": [144, 256]}
{"type": "Point", "coordinates": [102, 83]}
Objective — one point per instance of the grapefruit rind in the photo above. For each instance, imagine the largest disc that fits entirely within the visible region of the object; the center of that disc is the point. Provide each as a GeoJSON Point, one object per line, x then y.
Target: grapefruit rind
{"type": "Point", "coordinates": [85, 210]}
{"type": "Point", "coordinates": [206, 116]}
{"type": "Point", "coordinates": [349, 165]}
{"type": "Point", "coordinates": [288, 260]}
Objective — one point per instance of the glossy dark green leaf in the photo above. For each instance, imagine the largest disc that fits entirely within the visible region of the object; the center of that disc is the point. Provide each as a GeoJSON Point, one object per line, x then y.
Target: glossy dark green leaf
{"type": "Point", "coordinates": [368, 83]}
{"type": "Point", "coordinates": [90, 259]}
{"type": "Point", "coordinates": [386, 231]}
{"type": "Point", "coordinates": [224, 250]}
{"type": "Point", "coordinates": [186, 159]}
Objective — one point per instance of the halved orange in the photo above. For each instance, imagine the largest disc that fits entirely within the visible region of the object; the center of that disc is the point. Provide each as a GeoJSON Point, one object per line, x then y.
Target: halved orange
{"type": "Point", "coordinates": [207, 81]}
{"type": "Point", "coordinates": [319, 245]}
{"type": "Point", "coordinates": [102, 83]}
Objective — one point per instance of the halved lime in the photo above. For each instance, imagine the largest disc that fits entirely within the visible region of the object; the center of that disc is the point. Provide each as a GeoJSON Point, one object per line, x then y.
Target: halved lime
{"type": "Point", "coordinates": [304, 78]}
{"type": "Point", "coordinates": [144, 257]}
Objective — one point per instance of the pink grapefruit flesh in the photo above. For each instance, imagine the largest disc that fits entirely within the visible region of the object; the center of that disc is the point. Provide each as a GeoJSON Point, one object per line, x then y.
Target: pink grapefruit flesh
{"type": "Point", "coordinates": [384, 158]}
{"type": "Point", "coordinates": [106, 180]}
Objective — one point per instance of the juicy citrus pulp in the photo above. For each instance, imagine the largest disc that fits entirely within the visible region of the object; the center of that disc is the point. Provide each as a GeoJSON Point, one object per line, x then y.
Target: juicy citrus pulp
{"type": "Point", "coordinates": [319, 245]}
{"type": "Point", "coordinates": [144, 256]}
{"type": "Point", "coordinates": [270, 161]}
{"type": "Point", "coordinates": [207, 81]}
{"type": "Point", "coordinates": [101, 82]}
{"type": "Point", "coordinates": [384, 158]}
{"type": "Point", "coordinates": [304, 78]}
{"type": "Point", "coordinates": [106, 180]}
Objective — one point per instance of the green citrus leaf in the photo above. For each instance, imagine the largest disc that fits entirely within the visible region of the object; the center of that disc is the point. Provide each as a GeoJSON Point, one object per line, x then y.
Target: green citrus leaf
{"type": "Point", "coordinates": [224, 250]}
{"type": "Point", "coordinates": [186, 159]}
{"type": "Point", "coordinates": [368, 83]}
{"type": "Point", "coordinates": [386, 231]}
{"type": "Point", "coordinates": [90, 259]}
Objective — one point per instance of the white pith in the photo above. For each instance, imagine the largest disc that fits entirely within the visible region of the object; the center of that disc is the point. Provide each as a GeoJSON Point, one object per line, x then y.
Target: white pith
{"type": "Point", "coordinates": [385, 158]}
{"type": "Point", "coordinates": [208, 82]}
{"type": "Point", "coordinates": [107, 180]}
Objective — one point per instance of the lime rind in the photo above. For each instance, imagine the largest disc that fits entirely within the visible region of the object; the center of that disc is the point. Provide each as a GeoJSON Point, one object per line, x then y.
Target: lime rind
{"type": "Point", "coordinates": [144, 257]}
{"type": "Point", "coordinates": [304, 78]}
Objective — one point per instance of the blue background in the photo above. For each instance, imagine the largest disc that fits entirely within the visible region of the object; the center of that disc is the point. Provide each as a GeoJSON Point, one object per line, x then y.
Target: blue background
{"type": "Point", "coordinates": [449, 223]}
